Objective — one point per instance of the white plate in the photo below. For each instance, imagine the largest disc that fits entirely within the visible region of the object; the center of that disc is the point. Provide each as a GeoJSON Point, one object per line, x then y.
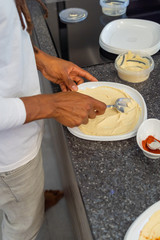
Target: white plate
{"type": "Point", "coordinates": [141, 36]}
{"type": "Point", "coordinates": [133, 93]}
{"type": "Point", "coordinates": [134, 230]}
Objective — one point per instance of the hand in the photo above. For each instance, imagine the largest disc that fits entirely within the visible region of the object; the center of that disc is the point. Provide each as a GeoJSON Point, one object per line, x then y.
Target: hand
{"type": "Point", "coordinates": [69, 108]}
{"type": "Point", "coordinates": [74, 109]}
{"type": "Point", "coordinates": [62, 72]}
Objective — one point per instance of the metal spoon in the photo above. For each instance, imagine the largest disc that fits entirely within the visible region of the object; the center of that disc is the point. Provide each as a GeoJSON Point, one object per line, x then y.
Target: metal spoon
{"type": "Point", "coordinates": [154, 145]}
{"type": "Point", "coordinates": [120, 104]}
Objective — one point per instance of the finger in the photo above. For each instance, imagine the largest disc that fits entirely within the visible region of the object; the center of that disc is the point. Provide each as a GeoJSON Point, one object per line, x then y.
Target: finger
{"type": "Point", "coordinates": [71, 85]}
{"type": "Point", "coordinates": [66, 89]}
{"type": "Point", "coordinates": [77, 79]}
{"type": "Point", "coordinates": [99, 107]}
{"type": "Point", "coordinates": [82, 73]}
{"type": "Point", "coordinates": [66, 84]}
{"type": "Point", "coordinates": [92, 114]}
{"type": "Point", "coordinates": [63, 87]}
{"type": "Point", "coordinates": [85, 120]}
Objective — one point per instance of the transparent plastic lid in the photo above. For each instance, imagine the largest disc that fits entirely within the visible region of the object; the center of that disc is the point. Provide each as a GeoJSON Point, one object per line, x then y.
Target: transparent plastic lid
{"type": "Point", "coordinates": [73, 15]}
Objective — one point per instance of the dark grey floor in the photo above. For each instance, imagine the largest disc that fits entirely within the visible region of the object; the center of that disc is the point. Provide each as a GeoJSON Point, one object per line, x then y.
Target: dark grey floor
{"type": "Point", "coordinates": [57, 224]}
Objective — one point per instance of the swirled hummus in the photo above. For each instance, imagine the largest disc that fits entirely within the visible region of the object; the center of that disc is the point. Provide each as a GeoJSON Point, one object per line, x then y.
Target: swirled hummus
{"type": "Point", "coordinates": [111, 122]}
{"type": "Point", "coordinates": [133, 62]}
{"type": "Point", "coordinates": [151, 230]}
{"type": "Point", "coordinates": [133, 67]}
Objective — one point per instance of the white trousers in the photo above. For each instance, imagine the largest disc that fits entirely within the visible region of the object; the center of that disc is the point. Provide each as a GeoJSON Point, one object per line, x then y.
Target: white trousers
{"type": "Point", "coordinates": [22, 201]}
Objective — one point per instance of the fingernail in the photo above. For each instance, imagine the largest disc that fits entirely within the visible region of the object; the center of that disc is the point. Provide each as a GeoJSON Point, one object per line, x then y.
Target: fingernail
{"type": "Point", "coordinates": [74, 88]}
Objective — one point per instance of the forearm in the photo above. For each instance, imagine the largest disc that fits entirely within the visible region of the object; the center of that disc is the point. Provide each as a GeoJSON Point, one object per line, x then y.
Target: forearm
{"type": "Point", "coordinates": [41, 58]}
{"type": "Point", "coordinates": [39, 107]}
{"type": "Point", "coordinates": [70, 108]}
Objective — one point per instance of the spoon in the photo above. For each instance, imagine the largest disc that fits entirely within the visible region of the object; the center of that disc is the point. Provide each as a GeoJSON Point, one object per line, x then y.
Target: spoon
{"type": "Point", "coordinates": [154, 145]}
{"type": "Point", "coordinates": [120, 104]}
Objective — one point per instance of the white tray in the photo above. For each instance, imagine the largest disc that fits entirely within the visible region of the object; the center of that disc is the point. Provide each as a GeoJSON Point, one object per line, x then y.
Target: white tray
{"type": "Point", "coordinates": [133, 93]}
{"type": "Point", "coordinates": [141, 36]}
{"type": "Point", "coordinates": [134, 230]}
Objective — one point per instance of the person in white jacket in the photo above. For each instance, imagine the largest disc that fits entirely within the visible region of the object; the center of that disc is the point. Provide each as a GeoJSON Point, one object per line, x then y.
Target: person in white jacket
{"type": "Point", "coordinates": [22, 110]}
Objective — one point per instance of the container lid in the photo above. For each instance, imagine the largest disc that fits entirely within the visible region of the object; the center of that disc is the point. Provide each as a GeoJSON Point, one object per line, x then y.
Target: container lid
{"type": "Point", "coordinates": [114, 3]}
{"type": "Point", "coordinates": [73, 15]}
{"type": "Point", "coordinates": [141, 36]}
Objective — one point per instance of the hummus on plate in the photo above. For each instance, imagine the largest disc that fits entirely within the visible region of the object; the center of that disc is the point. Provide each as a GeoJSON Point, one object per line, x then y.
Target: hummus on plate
{"type": "Point", "coordinates": [111, 122]}
{"type": "Point", "coordinates": [151, 230]}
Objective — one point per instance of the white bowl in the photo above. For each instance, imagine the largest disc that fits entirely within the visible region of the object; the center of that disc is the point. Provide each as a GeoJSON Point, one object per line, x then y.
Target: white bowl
{"type": "Point", "coordinates": [148, 127]}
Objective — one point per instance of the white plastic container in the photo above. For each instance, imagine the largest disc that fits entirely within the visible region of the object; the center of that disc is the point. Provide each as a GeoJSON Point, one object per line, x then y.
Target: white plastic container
{"type": "Point", "coordinates": [114, 7]}
{"type": "Point", "coordinates": [133, 67]}
{"type": "Point", "coordinates": [137, 35]}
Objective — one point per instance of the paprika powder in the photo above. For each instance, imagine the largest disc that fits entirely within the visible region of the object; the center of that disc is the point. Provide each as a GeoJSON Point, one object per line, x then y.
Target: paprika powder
{"type": "Point", "coordinates": [149, 140]}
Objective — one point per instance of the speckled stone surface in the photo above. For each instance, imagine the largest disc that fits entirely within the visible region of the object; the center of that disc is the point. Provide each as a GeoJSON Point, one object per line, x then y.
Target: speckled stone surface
{"type": "Point", "coordinates": [117, 182]}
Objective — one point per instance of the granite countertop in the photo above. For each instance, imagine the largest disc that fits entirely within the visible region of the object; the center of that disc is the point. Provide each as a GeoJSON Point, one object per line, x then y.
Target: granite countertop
{"type": "Point", "coordinates": [117, 182]}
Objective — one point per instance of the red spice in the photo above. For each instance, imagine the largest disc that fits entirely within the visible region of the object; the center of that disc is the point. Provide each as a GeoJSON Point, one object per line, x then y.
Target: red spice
{"type": "Point", "coordinates": [148, 238]}
{"type": "Point", "coordinates": [150, 139]}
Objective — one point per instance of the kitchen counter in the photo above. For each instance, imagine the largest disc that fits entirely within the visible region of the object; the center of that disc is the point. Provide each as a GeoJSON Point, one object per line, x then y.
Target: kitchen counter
{"type": "Point", "coordinates": [115, 180]}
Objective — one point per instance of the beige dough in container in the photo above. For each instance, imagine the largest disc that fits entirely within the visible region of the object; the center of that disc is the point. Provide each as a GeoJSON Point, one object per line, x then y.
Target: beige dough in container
{"type": "Point", "coordinates": [133, 67]}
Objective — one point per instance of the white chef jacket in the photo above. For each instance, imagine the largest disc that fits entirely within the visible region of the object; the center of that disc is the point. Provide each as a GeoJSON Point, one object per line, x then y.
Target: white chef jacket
{"type": "Point", "coordinates": [19, 142]}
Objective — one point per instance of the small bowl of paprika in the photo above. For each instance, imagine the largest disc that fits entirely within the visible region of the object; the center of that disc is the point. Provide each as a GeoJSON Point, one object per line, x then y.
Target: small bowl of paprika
{"type": "Point", "coordinates": [148, 132]}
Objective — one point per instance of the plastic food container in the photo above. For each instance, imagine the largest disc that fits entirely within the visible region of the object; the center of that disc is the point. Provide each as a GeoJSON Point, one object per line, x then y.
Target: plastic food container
{"type": "Point", "coordinates": [114, 7]}
{"type": "Point", "coordinates": [134, 67]}
{"type": "Point", "coordinates": [148, 127]}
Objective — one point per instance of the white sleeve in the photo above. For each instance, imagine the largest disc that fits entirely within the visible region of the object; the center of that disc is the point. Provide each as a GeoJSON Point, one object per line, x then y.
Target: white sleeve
{"type": "Point", "coordinates": [12, 113]}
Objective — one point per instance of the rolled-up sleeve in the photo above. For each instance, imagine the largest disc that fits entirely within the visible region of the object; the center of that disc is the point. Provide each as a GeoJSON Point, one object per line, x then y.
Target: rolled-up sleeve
{"type": "Point", "coordinates": [12, 113]}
